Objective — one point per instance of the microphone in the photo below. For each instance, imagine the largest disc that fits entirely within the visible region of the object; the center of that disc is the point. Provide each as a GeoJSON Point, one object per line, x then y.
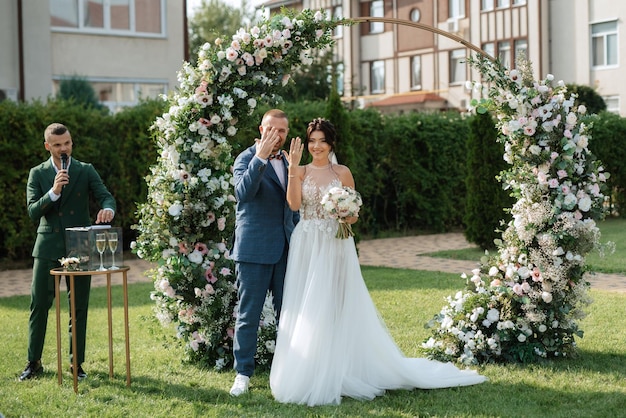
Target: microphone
{"type": "Point", "coordinates": [64, 161]}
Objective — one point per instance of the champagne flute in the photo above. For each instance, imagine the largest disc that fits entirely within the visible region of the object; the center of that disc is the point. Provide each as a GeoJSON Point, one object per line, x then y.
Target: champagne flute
{"type": "Point", "coordinates": [113, 247]}
{"type": "Point", "coordinates": [101, 244]}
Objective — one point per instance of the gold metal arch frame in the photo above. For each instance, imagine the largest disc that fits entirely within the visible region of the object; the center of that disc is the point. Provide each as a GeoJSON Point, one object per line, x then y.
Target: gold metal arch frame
{"type": "Point", "coordinates": [432, 29]}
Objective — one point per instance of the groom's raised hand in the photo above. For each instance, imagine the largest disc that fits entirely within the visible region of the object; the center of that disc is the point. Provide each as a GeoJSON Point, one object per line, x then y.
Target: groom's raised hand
{"type": "Point", "coordinates": [270, 139]}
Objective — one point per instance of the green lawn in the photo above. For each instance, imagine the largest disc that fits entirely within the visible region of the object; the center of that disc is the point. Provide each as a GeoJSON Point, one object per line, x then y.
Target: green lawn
{"type": "Point", "coordinates": [612, 230]}
{"type": "Point", "coordinates": [593, 385]}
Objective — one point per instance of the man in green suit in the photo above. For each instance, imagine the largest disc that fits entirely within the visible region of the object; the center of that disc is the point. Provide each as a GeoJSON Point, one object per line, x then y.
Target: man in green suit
{"type": "Point", "coordinates": [57, 197]}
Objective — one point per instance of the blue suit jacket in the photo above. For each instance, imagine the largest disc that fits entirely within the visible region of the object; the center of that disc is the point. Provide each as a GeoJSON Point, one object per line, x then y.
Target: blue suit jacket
{"type": "Point", "coordinates": [264, 221]}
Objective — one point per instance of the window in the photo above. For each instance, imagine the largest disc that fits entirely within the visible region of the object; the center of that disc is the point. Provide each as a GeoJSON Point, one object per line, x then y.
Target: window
{"type": "Point", "coordinates": [504, 53]}
{"type": "Point", "coordinates": [457, 66]}
{"type": "Point", "coordinates": [416, 73]}
{"type": "Point", "coordinates": [114, 16]}
{"type": "Point", "coordinates": [521, 49]}
{"type": "Point", "coordinates": [338, 14]}
{"type": "Point", "coordinates": [118, 94]}
{"type": "Point", "coordinates": [490, 49]}
{"type": "Point", "coordinates": [604, 44]}
{"type": "Point", "coordinates": [612, 103]}
{"type": "Point", "coordinates": [456, 8]}
{"type": "Point", "coordinates": [504, 3]}
{"type": "Point", "coordinates": [339, 74]}
{"type": "Point", "coordinates": [486, 5]}
{"type": "Point", "coordinates": [377, 9]}
{"type": "Point", "coordinates": [415, 15]}
{"type": "Point", "coordinates": [377, 77]}
{"type": "Point", "coordinates": [518, 2]}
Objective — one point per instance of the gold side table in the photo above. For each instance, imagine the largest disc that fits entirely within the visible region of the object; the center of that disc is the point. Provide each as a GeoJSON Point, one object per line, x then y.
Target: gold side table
{"type": "Point", "coordinates": [57, 273]}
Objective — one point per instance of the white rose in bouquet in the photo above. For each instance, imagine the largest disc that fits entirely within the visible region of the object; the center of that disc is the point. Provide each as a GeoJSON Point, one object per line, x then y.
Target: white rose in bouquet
{"type": "Point", "coordinates": [342, 203]}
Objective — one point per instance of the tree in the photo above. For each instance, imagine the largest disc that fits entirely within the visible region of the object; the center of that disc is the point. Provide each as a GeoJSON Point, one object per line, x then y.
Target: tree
{"type": "Point", "coordinates": [607, 143]}
{"type": "Point", "coordinates": [485, 200]}
{"type": "Point", "coordinates": [311, 82]}
{"type": "Point", "coordinates": [588, 97]}
{"type": "Point", "coordinates": [80, 91]}
{"type": "Point", "coordinates": [211, 20]}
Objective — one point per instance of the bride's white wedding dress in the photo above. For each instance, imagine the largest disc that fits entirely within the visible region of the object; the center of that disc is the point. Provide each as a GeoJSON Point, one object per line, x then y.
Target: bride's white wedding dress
{"type": "Point", "coordinates": [331, 340]}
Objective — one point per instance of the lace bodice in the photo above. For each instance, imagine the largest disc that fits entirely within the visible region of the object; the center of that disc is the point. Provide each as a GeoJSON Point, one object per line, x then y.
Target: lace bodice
{"type": "Point", "coordinates": [317, 181]}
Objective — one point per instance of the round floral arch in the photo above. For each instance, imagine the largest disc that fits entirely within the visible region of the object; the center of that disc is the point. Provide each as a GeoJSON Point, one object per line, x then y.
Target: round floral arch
{"type": "Point", "coordinates": [187, 221]}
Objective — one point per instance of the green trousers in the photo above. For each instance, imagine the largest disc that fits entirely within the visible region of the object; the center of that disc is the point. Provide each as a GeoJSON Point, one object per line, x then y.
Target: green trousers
{"type": "Point", "coordinates": [42, 297]}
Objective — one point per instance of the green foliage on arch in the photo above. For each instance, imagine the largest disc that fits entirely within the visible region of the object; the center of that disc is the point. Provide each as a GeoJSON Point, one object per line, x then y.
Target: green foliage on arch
{"type": "Point", "coordinates": [187, 222]}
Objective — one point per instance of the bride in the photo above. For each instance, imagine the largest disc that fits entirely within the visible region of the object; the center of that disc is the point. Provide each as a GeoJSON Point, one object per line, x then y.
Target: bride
{"type": "Point", "coordinates": [331, 340]}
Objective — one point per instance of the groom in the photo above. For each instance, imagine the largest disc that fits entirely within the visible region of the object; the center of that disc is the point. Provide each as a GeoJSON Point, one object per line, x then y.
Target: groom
{"type": "Point", "coordinates": [263, 227]}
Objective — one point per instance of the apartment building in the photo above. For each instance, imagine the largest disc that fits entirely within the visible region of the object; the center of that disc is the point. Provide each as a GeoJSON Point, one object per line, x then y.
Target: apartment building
{"type": "Point", "coordinates": [127, 49]}
{"type": "Point", "coordinates": [399, 68]}
{"type": "Point", "coordinates": [130, 49]}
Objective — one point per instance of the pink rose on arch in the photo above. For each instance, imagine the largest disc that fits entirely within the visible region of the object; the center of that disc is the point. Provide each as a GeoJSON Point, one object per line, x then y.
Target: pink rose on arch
{"type": "Point", "coordinates": [221, 223]}
{"type": "Point", "coordinates": [202, 247]}
{"type": "Point", "coordinates": [208, 275]}
{"type": "Point", "coordinates": [231, 54]}
{"type": "Point", "coordinates": [225, 271]}
{"type": "Point", "coordinates": [209, 289]}
{"type": "Point", "coordinates": [182, 248]}
{"type": "Point", "coordinates": [202, 88]}
{"type": "Point", "coordinates": [248, 59]}
{"type": "Point", "coordinates": [536, 275]}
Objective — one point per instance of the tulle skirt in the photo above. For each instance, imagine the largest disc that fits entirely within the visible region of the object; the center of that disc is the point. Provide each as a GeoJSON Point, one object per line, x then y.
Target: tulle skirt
{"type": "Point", "coordinates": [331, 340]}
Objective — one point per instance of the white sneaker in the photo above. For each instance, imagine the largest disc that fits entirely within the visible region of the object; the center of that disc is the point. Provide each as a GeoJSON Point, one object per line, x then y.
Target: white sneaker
{"type": "Point", "coordinates": [240, 386]}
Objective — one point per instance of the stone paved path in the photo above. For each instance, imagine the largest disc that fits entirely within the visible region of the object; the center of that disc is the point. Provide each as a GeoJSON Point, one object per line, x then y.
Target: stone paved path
{"type": "Point", "coordinates": [404, 252]}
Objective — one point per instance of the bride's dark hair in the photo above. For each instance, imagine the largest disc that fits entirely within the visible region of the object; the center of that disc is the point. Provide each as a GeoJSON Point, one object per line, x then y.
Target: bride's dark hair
{"type": "Point", "coordinates": [321, 124]}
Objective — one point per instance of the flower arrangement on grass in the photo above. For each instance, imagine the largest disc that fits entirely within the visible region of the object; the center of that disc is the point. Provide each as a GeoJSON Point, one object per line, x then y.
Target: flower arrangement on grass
{"type": "Point", "coordinates": [188, 218]}
{"type": "Point", "coordinates": [524, 303]}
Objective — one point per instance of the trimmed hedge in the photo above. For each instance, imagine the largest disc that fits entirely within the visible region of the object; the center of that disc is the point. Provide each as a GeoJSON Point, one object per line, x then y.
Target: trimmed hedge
{"type": "Point", "coordinates": [118, 146]}
{"type": "Point", "coordinates": [485, 199]}
{"type": "Point", "coordinates": [608, 144]}
{"type": "Point", "coordinates": [410, 169]}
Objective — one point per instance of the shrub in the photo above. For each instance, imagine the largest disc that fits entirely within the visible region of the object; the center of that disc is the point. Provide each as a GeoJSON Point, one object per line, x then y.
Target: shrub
{"type": "Point", "coordinates": [485, 200]}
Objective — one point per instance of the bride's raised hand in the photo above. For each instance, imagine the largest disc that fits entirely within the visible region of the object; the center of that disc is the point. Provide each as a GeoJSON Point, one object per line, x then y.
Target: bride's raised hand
{"type": "Point", "coordinates": [295, 152]}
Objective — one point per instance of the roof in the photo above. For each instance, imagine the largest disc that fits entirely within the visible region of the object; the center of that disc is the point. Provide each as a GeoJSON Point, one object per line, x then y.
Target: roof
{"type": "Point", "coordinates": [410, 98]}
{"type": "Point", "coordinates": [272, 4]}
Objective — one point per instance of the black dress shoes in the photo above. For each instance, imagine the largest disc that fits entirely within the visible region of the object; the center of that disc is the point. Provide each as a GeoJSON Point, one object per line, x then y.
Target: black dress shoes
{"type": "Point", "coordinates": [33, 369]}
{"type": "Point", "coordinates": [80, 374]}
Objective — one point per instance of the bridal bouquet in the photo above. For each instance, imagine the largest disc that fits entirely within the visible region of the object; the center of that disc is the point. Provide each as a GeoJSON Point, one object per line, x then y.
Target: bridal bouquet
{"type": "Point", "coordinates": [341, 203]}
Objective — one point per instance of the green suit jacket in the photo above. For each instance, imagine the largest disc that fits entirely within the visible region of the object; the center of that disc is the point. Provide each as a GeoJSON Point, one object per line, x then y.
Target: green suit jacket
{"type": "Point", "coordinates": [70, 210]}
